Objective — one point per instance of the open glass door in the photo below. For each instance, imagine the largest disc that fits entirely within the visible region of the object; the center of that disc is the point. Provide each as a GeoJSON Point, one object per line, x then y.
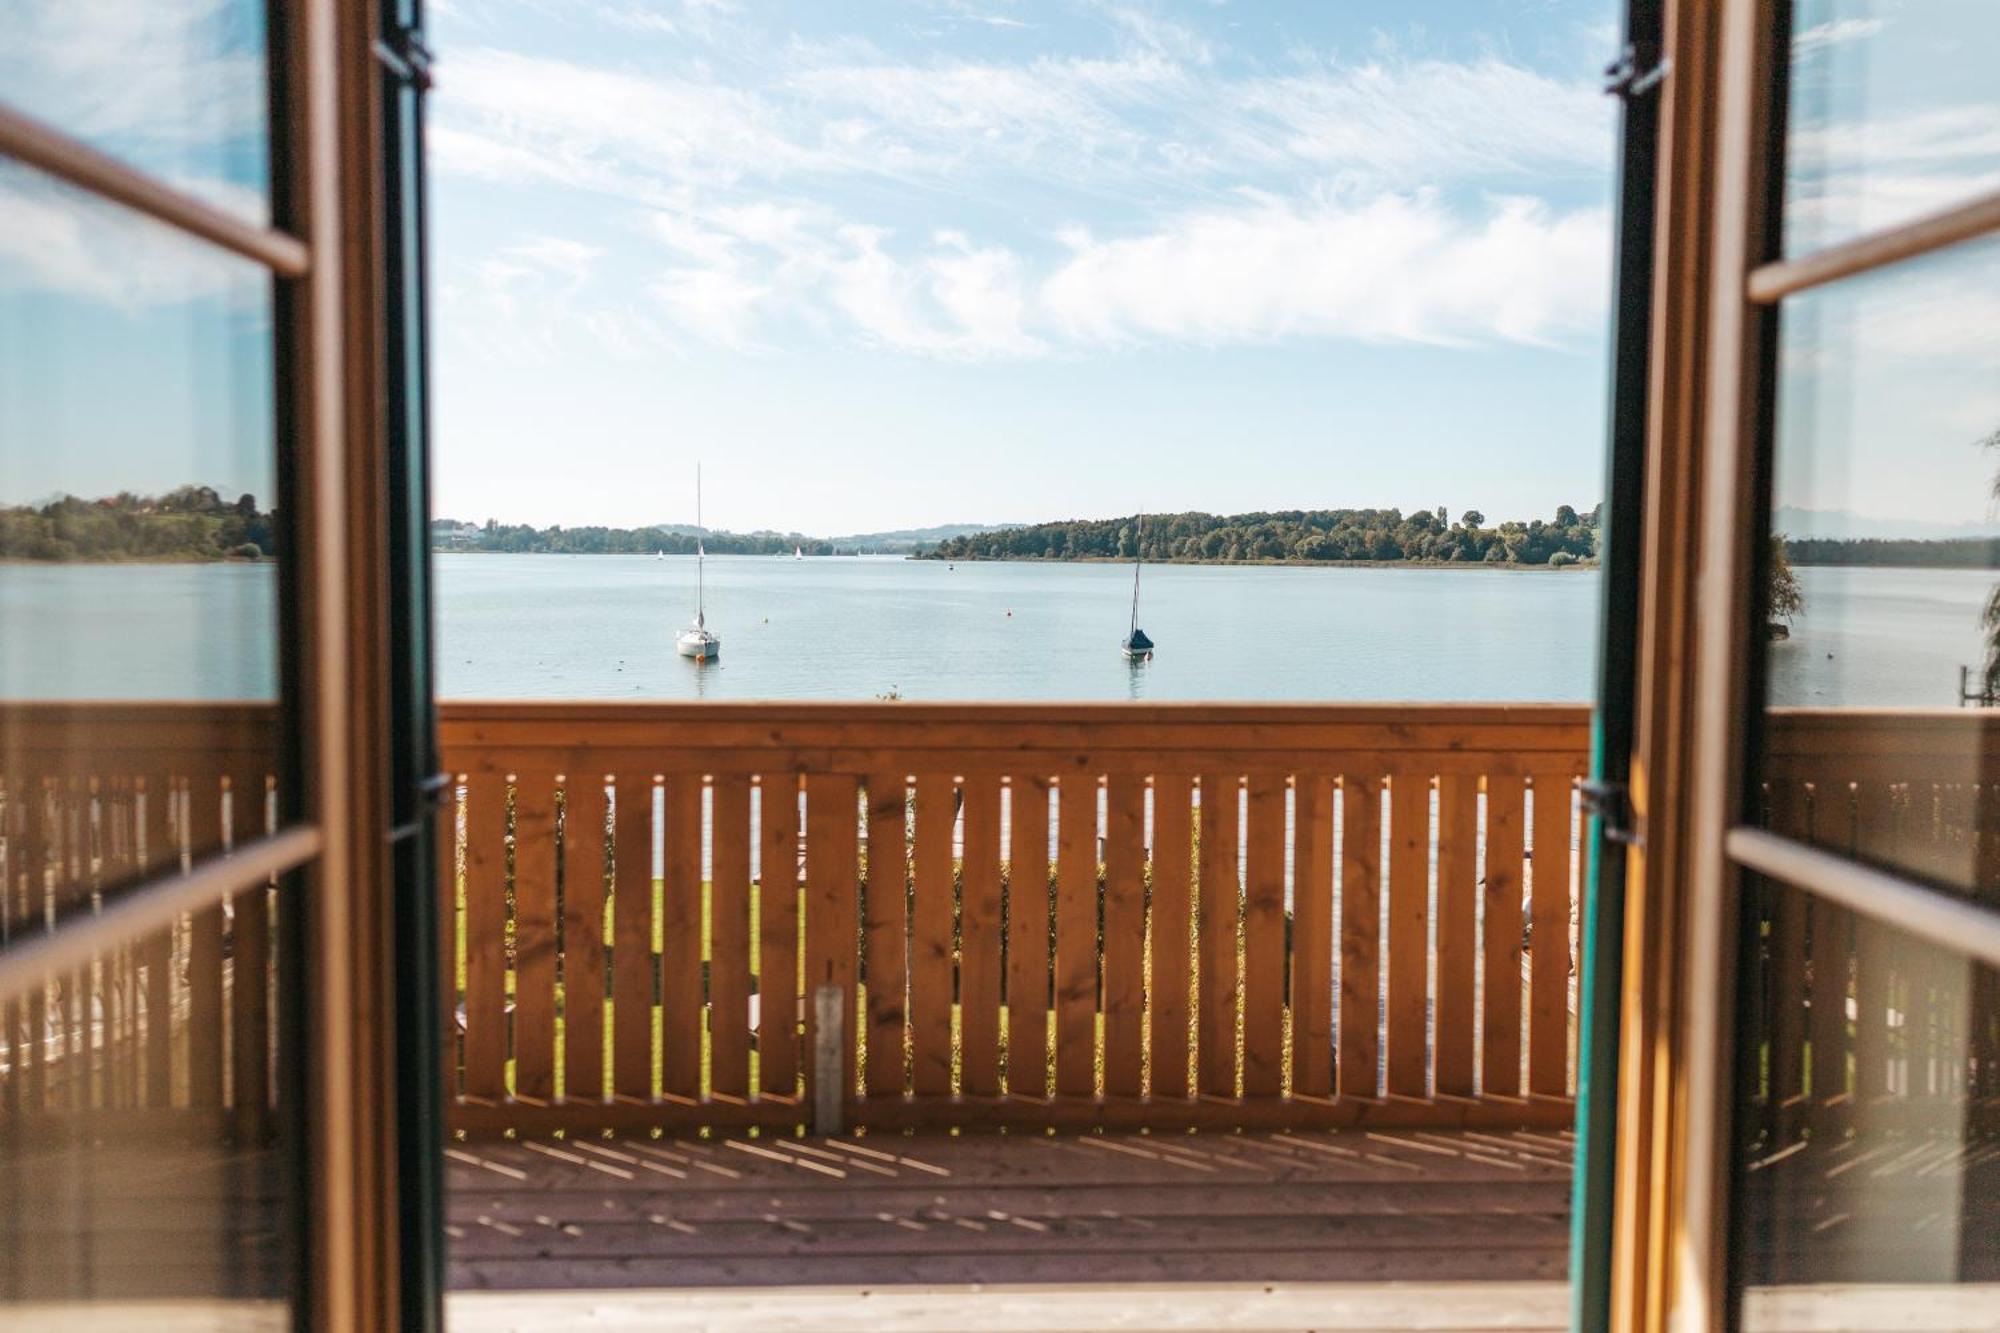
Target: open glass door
{"type": "Point", "coordinates": [1865, 1182]}
{"type": "Point", "coordinates": [1635, 79]}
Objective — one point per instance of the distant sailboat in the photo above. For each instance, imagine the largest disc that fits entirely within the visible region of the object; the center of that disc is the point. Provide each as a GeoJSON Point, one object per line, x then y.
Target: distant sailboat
{"type": "Point", "coordinates": [798, 553]}
{"type": "Point", "coordinates": [1137, 647]}
{"type": "Point", "coordinates": [697, 640]}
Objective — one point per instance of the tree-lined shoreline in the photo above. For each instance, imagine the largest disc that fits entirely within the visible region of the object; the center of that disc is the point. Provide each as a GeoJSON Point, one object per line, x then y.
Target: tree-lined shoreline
{"type": "Point", "coordinates": [197, 524]}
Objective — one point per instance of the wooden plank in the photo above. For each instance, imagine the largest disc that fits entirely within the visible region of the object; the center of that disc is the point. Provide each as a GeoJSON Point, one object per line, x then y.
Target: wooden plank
{"type": "Point", "coordinates": [1264, 938]}
{"type": "Point", "coordinates": [1217, 909]}
{"type": "Point", "coordinates": [979, 939]}
{"type": "Point", "coordinates": [156, 954]}
{"type": "Point", "coordinates": [450, 928]}
{"type": "Point", "coordinates": [1312, 936]}
{"type": "Point", "coordinates": [1786, 811]}
{"type": "Point", "coordinates": [1123, 983]}
{"type": "Point", "coordinates": [1409, 932]}
{"type": "Point", "coordinates": [632, 983]}
{"type": "Point", "coordinates": [1500, 1062]}
{"type": "Point", "coordinates": [1359, 1048]}
{"type": "Point", "coordinates": [1457, 931]}
{"type": "Point", "coordinates": [1028, 904]}
{"type": "Point", "coordinates": [1549, 971]}
{"type": "Point", "coordinates": [778, 936]}
{"type": "Point", "coordinates": [885, 935]}
{"type": "Point", "coordinates": [930, 938]}
{"type": "Point", "coordinates": [833, 927]}
{"type": "Point", "coordinates": [1076, 936]}
{"type": "Point", "coordinates": [250, 960]}
{"type": "Point", "coordinates": [205, 1021]}
{"type": "Point", "coordinates": [486, 936]}
{"type": "Point", "coordinates": [680, 940]}
{"type": "Point", "coordinates": [729, 917]}
{"type": "Point", "coordinates": [1832, 930]}
{"type": "Point", "coordinates": [1172, 938]}
{"type": "Point", "coordinates": [535, 936]}
{"type": "Point", "coordinates": [585, 812]}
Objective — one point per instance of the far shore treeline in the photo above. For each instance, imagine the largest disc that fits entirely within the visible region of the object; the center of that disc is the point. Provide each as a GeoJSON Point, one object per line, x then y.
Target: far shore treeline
{"type": "Point", "coordinates": [193, 523]}
{"type": "Point", "coordinates": [200, 523]}
{"type": "Point", "coordinates": [1301, 536]}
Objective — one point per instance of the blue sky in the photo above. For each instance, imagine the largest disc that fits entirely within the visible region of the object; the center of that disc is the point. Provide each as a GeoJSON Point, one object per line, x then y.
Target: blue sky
{"type": "Point", "coordinates": [907, 262]}
{"type": "Point", "coordinates": [891, 264]}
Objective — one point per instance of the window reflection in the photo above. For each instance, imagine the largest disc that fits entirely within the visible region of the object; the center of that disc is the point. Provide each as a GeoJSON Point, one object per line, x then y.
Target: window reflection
{"type": "Point", "coordinates": [142, 1180]}
{"type": "Point", "coordinates": [1888, 450]}
{"type": "Point", "coordinates": [175, 88]}
{"type": "Point", "coordinates": [1866, 1176]}
{"type": "Point", "coordinates": [139, 536]}
{"type": "Point", "coordinates": [1889, 118]}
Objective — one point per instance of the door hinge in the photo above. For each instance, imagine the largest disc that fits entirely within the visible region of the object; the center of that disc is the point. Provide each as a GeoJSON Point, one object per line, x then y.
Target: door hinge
{"type": "Point", "coordinates": [1636, 72]}
{"type": "Point", "coordinates": [405, 56]}
{"type": "Point", "coordinates": [1611, 804]}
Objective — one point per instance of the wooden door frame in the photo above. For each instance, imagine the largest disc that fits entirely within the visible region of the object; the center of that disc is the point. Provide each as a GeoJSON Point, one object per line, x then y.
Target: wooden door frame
{"type": "Point", "coordinates": [1703, 488]}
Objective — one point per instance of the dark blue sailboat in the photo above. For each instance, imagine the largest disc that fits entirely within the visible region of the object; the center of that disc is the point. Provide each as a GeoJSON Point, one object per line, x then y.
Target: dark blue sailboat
{"type": "Point", "coordinates": [1137, 647]}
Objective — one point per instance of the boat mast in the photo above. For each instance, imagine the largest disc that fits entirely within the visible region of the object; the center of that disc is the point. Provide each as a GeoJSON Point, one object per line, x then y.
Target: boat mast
{"type": "Point", "coordinates": [700, 557]}
{"type": "Point", "coordinates": [1138, 559]}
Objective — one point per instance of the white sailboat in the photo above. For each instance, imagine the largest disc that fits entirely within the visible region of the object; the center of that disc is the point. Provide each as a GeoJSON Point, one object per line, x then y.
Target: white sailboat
{"type": "Point", "coordinates": [1137, 647]}
{"type": "Point", "coordinates": [697, 640]}
{"type": "Point", "coordinates": [798, 552]}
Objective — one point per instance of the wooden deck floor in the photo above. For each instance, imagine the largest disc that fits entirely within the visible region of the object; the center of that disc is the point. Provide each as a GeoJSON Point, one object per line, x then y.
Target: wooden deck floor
{"type": "Point", "coordinates": [1005, 1209]}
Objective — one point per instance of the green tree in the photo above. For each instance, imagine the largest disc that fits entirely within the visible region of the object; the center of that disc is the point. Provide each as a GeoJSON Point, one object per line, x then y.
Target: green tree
{"type": "Point", "coordinates": [1786, 599]}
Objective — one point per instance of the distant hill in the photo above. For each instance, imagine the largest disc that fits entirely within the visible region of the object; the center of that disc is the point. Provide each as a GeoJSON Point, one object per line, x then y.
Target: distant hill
{"type": "Point", "coordinates": [916, 539]}
{"type": "Point", "coordinates": [1842, 525]}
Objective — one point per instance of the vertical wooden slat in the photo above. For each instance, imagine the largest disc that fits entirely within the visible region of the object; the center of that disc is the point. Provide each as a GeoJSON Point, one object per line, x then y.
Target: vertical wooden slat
{"type": "Point", "coordinates": [449, 929]}
{"type": "Point", "coordinates": [205, 997]}
{"type": "Point", "coordinates": [1221, 897]}
{"type": "Point", "coordinates": [1457, 930]}
{"type": "Point", "coordinates": [157, 953]}
{"type": "Point", "coordinates": [1264, 938]}
{"type": "Point", "coordinates": [1409, 932]}
{"type": "Point", "coordinates": [680, 940]}
{"type": "Point", "coordinates": [1359, 1050]}
{"type": "Point", "coordinates": [583, 952]}
{"type": "Point", "coordinates": [833, 813]}
{"type": "Point", "coordinates": [632, 940]}
{"type": "Point", "coordinates": [13, 927]}
{"type": "Point", "coordinates": [535, 936]}
{"type": "Point", "coordinates": [778, 937]}
{"type": "Point", "coordinates": [1076, 936]}
{"type": "Point", "coordinates": [1172, 935]}
{"type": "Point", "coordinates": [1832, 931]}
{"type": "Point", "coordinates": [979, 939]}
{"type": "Point", "coordinates": [485, 935]}
{"type": "Point", "coordinates": [885, 934]}
{"type": "Point", "coordinates": [1123, 982]}
{"type": "Point", "coordinates": [930, 939]}
{"type": "Point", "coordinates": [1312, 936]}
{"type": "Point", "coordinates": [729, 916]}
{"type": "Point", "coordinates": [1786, 807]}
{"type": "Point", "coordinates": [70, 893]}
{"type": "Point", "coordinates": [1500, 1061]}
{"type": "Point", "coordinates": [1028, 936]}
{"type": "Point", "coordinates": [250, 1030]}
{"type": "Point", "coordinates": [1548, 1011]}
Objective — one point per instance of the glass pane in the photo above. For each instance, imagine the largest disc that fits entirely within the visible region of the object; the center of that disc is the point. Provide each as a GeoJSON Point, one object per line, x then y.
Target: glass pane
{"type": "Point", "coordinates": [1868, 1190]}
{"type": "Point", "coordinates": [1893, 114]}
{"type": "Point", "coordinates": [1887, 452]}
{"type": "Point", "coordinates": [175, 87]}
{"type": "Point", "coordinates": [138, 541]}
{"type": "Point", "coordinates": [142, 1130]}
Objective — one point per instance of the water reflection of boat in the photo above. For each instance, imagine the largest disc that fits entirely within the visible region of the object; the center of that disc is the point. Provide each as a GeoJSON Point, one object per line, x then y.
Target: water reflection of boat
{"type": "Point", "coordinates": [1137, 647]}
{"type": "Point", "coordinates": [697, 640]}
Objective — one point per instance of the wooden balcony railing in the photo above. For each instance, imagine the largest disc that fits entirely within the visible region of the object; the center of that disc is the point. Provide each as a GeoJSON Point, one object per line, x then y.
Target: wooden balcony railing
{"type": "Point", "coordinates": [1031, 915]}
{"type": "Point", "coordinates": [1028, 914]}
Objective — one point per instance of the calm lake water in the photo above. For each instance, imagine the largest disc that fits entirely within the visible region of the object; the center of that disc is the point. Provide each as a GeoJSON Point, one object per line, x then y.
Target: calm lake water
{"type": "Point", "coordinates": [602, 627]}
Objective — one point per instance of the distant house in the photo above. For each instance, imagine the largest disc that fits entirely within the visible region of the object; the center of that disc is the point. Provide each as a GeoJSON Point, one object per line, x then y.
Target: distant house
{"type": "Point", "coordinates": [447, 535]}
